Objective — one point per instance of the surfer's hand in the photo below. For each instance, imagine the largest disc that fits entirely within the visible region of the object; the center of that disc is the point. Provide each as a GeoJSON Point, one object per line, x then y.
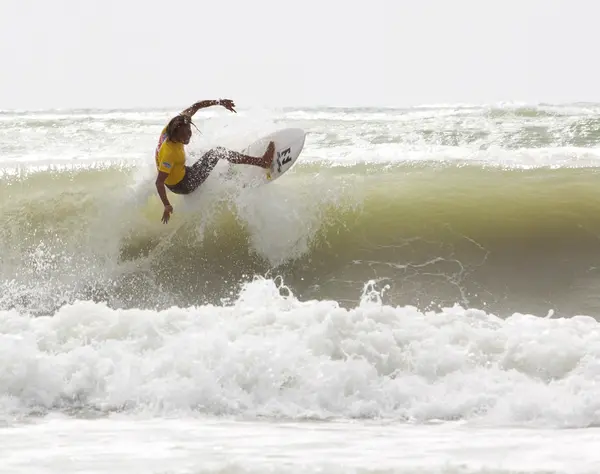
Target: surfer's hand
{"type": "Point", "coordinates": [167, 213]}
{"type": "Point", "coordinates": [228, 104]}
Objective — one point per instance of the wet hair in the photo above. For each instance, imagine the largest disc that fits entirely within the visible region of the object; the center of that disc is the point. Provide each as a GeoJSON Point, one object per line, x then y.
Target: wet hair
{"type": "Point", "coordinates": [176, 122]}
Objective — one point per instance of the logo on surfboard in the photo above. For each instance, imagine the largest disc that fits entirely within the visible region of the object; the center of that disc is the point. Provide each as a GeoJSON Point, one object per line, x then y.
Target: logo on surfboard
{"type": "Point", "coordinates": [283, 158]}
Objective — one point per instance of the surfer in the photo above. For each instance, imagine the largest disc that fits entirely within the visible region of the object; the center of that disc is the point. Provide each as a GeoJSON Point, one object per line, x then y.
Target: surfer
{"type": "Point", "coordinates": [170, 156]}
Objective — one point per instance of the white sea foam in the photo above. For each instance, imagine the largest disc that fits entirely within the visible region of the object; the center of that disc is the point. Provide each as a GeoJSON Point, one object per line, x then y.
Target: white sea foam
{"type": "Point", "coordinates": [198, 446]}
{"type": "Point", "coordinates": [272, 355]}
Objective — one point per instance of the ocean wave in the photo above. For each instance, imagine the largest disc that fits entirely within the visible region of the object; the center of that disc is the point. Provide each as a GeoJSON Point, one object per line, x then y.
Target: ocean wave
{"type": "Point", "coordinates": [508, 240]}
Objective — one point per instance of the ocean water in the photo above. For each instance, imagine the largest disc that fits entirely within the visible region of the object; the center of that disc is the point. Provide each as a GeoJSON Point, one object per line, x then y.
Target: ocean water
{"type": "Point", "coordinates": [419, 294]}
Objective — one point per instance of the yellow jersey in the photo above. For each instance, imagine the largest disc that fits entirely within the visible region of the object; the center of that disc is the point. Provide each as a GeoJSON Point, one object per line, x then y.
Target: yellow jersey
{"type": "Point", "coordinates": [170, 158]}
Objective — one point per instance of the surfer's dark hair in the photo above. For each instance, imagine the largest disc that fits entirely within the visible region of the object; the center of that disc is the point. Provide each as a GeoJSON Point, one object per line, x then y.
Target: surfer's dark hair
{"type": "Point", "coordinates": [177, 122]}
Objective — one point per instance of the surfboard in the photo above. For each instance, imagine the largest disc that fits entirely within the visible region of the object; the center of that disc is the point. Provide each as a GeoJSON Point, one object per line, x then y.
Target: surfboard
{"type": "Point", "coordinates": [289, 143]}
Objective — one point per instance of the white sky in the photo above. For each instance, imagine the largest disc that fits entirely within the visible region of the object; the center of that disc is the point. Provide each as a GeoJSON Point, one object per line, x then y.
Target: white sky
{"type": "Point", "coordinates": [128, 53]}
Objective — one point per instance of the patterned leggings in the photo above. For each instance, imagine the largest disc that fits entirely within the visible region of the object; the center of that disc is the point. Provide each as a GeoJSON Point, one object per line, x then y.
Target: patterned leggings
{"type": "Point", "coordinates": [196, 174]}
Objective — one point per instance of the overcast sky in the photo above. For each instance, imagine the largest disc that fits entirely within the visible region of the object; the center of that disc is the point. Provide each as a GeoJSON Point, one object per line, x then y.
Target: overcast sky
{"type": "Point", "coordinates": [127, 53]}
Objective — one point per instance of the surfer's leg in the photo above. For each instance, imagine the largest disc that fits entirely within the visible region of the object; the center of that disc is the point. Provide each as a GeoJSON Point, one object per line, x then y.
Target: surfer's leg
{"type": "Point", "coordinates": [241, 159]}
{"type": "Point", "coordinates": [196, 174]}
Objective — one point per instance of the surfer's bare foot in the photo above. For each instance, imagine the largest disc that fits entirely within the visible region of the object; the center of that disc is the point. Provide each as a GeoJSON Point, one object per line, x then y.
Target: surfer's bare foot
{"type": "Point", "coordinates": [267, 158]}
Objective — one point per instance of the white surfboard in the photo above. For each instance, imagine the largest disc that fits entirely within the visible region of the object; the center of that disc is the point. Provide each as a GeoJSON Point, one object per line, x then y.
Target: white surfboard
{"type": "Point", "coordinates": [288, 145]}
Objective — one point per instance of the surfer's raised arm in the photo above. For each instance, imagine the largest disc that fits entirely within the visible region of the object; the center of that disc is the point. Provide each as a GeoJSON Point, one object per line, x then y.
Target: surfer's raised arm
{"type": "Point", "coordinates": [203, 104]}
